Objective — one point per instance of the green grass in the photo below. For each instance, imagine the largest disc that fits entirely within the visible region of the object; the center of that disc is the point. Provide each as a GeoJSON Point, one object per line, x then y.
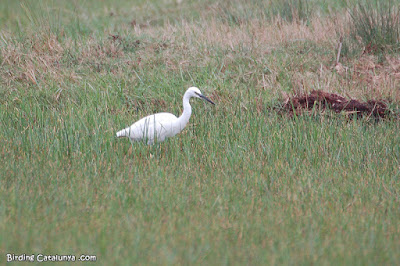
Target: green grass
{"type": "Point", "coordinates": [241, 184]}
{"type": "Point", "coordinates": [376, 26]}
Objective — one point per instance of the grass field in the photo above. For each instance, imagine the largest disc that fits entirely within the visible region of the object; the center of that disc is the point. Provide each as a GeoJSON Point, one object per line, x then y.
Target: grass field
{"type": "Point", "coordinates": [243, 183]}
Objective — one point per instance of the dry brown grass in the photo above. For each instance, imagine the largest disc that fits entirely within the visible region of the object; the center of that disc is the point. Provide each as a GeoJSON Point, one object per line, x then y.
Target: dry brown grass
{"type": "Point", "coordinates": [39, 58]}
{"type": "Point", "coordinates": [185, 45]}
{"type": "Point", "coordinates": [196, 43]}
{"type": "Point", "coordinates": [258, 37]}
{"type": "Point", "coordinates": [42, 57]}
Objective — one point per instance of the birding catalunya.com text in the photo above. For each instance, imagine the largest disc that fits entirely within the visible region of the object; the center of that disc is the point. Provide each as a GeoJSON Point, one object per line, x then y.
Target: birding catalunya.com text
{"type": "Point", "coordinates": [48, 258]}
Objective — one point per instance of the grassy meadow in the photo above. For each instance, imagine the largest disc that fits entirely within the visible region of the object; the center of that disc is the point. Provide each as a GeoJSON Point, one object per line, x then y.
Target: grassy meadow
{"type": "Point", "coordinates": [244, 183]}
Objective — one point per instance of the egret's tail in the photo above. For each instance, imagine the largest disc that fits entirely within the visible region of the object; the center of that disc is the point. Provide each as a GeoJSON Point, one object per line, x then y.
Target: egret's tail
{"type": "Point", "coordinates": [122, 133]}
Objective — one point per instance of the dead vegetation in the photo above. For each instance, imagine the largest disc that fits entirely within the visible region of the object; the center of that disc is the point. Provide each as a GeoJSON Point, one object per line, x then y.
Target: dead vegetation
{"type": "Point", "coordinates": [321, 101]}
{"type": "Point", "coordinates": [44, 58]}
{"type": "Point", "coordinates": [29, 61]}
{"type": "Point", "coordinates": [243, 54]}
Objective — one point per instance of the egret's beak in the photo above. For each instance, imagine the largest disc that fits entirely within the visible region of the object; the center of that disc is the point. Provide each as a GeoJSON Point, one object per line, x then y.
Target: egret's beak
{"type": "Point", "coordinates": [205, 98]}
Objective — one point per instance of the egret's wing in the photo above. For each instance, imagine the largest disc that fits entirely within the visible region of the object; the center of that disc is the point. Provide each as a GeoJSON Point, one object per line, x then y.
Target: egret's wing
{"type": "Point", "coordinates": [153, 126]}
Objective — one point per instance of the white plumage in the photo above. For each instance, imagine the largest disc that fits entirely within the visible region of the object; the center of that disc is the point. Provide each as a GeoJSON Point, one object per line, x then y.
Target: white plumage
{"type": "Point", "coordinates": [158, 127]}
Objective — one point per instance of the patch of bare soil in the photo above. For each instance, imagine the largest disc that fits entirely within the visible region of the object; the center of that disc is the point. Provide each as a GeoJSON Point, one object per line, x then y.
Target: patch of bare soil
{"type": "Point", "coordinates": [337, 103]}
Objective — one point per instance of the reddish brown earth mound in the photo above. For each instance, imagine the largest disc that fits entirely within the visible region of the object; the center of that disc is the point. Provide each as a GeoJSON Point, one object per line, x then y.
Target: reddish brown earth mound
{"type": "Point", "coordinates": [337, 103]}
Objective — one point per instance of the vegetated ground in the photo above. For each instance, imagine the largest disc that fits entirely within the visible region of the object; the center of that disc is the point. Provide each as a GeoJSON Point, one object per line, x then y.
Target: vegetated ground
{"type": "Point", "coordinates": [242, 184]}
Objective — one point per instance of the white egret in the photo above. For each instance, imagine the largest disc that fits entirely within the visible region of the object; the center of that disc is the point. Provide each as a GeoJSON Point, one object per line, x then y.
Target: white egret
{"type": "Point", "coordinates": [158, 127]}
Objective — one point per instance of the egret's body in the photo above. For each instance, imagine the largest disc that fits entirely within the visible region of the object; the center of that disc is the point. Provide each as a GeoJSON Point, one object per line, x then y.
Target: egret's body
{"type": "Point", "coordinates": [158, 127]}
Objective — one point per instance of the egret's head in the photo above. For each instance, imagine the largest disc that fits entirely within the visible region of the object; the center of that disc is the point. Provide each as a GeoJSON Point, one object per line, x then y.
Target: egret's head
{"type": "Point", "coordinates": [195, 92]}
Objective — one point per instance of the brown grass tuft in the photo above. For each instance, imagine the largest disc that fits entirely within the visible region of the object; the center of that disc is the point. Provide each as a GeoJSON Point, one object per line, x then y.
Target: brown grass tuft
{"type": "Point", "coordinates": [33, 60]}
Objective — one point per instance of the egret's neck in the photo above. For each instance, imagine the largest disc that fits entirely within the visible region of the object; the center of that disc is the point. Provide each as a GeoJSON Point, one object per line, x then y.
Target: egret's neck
{"type": "Point", "coordinates": [187, 112]}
